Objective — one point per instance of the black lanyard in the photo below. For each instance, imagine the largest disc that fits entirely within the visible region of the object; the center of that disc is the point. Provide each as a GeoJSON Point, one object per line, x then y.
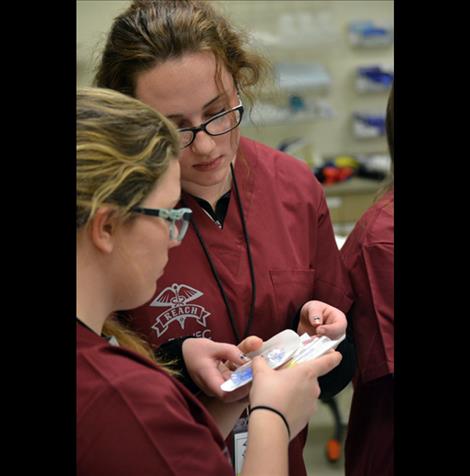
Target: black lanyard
{"type": "Point", "coordinates": [216, 274]}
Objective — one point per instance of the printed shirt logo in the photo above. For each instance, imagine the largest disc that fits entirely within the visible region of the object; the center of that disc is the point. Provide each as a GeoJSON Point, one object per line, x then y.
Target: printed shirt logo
{"type": "Point", "coordinates": [177, 297]}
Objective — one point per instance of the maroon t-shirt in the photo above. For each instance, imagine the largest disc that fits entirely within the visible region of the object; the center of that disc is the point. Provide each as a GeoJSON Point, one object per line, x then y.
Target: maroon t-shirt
{"type": "Point", "coordinates": [369, 256]}
{"type": "Point", "coordinates": [134, 419]}
{"type": "Point", "coordinates": [295, 259]}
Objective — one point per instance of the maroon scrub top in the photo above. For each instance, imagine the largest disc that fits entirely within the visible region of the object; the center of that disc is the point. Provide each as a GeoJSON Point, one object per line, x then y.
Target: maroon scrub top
{"type": "Point", "coordinates": [294, 253]}
{"type": "Point", "coordinates": [133, 418]}
{"type": "Point", "coordinates": [368, 253]}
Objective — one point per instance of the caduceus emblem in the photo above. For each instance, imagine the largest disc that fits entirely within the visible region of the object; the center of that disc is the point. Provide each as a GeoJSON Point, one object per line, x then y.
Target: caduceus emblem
{"type": "Point", "coordinates": [178, 298]}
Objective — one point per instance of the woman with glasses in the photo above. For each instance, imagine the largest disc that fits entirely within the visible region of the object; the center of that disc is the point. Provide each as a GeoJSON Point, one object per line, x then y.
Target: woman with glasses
{"type": "Point", "coordinates": [259, 255]}
{"type": "Point", "coordinates": [133, 416]}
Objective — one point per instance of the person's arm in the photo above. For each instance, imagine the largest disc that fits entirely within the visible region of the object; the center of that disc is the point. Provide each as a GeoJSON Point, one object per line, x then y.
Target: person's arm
{"type": "Point", "coordinates": [267, 451]}
{"type": "Point", "coordinates": [333, 286]}
{"type": "Point", "coordinates": [267, 446]}
{"type": "Point", "coordinates": [373, 277]}
{"type": "Point", "coordinates": [286, 399]}
{"type": "Point", "coordinates": [225, 414]}
{"type": "Point", "coordinates": [171, 353]}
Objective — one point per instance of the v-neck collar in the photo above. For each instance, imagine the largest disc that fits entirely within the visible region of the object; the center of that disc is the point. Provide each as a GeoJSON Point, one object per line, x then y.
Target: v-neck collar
{"type": "Point", "coordinates": [245, 172]}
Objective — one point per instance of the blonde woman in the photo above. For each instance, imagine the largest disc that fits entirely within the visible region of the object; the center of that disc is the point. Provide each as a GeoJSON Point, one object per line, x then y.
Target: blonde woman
{"type": "Point", "coordinates": [133, 416]}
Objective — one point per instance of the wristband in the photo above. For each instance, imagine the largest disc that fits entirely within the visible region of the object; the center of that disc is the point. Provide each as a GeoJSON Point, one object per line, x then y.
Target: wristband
{"type": "Point", "coordinates": [264, 407]}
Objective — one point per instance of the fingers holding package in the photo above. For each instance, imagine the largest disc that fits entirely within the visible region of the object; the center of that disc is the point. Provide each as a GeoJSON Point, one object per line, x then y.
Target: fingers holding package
{"type": "Point", "coordinates": [319, 318]}
{"type": "Point", "coordinates": [210, 363]}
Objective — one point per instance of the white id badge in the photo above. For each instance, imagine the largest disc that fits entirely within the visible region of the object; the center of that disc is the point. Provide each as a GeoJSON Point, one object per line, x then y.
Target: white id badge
{"type": "Point", "coordinates": [240, 440]}
{"type": "Point", "coordinates": [277, 351]}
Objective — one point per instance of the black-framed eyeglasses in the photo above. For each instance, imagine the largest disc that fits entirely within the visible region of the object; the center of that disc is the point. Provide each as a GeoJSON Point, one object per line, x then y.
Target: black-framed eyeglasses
{"type": "Point", "coordinates": [216, 126]}
{"type": "Point", "coordinates": [178, 219]}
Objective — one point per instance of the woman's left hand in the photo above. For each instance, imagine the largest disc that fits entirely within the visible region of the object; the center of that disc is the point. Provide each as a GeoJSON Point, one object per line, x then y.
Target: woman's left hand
{"type": "Point", "coordinates": [319, 318]}
{"type": "Point", "coordinates": [210, 363]}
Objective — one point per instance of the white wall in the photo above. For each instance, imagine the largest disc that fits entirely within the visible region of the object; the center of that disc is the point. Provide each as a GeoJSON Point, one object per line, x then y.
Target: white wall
{"type": "Point", "coordinates": [329, 136]}
{"type": "Point", "coordinates": [329, 47]}
{"type": "Point", "coordinates": [94, 18]}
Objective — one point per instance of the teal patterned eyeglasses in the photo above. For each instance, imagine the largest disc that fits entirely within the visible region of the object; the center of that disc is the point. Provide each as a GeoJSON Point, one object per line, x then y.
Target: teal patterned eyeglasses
{"type": "Point", "coordinates": [178, 219]}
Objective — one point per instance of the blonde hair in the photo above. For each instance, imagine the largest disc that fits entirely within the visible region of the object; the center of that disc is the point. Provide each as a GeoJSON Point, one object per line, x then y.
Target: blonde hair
{"type": "Point", "coordinates": [113, 327]}
{"type": "Point", "coordinates": [123, 148]}
{"type": "Point", "coordinates": [150, 32]}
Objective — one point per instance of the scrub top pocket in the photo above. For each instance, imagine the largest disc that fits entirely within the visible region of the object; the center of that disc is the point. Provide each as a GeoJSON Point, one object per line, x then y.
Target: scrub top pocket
{"type": "Point", "coordinates": [292, 289]}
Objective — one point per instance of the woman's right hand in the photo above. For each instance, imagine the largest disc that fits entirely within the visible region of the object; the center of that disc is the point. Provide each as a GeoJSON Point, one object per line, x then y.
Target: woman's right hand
{"type": "Point", "coordinates": [293, 391]}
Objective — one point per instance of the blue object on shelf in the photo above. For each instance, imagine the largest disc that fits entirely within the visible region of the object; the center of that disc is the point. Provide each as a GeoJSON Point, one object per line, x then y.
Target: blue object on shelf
{"type": "Point", "coordinates": [376, 75]}
{"type": "Point", "coordinates": [366, 33]}
{"type": "Point", "coordinates": [373, 79]}
{"type": "Point", "coordinates": [374, 121]}
{"type": "Point", "coordinates": [296, 103]}
{"type": "Point", "coordinates": [371, 31]}
{"type": "Point", "coordinates": [368, 125]}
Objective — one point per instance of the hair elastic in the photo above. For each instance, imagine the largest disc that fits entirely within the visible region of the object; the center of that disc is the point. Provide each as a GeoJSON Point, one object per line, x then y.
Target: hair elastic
{"type": "Point", "coordinates": [264, 407]}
